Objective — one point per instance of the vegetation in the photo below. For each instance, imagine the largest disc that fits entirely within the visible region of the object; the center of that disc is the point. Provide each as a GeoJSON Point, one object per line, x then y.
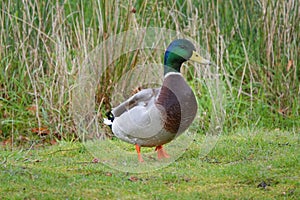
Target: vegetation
{"type": "Point", "coordinates": [255, 44]}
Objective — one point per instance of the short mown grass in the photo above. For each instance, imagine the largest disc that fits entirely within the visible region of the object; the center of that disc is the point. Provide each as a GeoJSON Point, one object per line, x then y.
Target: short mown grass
{"type": "Point", "coordinates": [257, 164]}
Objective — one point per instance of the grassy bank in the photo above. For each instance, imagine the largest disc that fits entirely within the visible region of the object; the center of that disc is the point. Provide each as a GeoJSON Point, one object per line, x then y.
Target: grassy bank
{"type": "Point", "coordinates": [246, 164]}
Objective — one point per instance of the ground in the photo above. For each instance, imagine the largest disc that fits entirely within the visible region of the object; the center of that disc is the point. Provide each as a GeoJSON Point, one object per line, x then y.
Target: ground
{"type": "Point", "coordinates": [247, 164]}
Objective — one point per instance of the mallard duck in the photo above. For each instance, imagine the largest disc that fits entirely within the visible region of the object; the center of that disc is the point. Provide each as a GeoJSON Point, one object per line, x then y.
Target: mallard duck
{"type": "Point", "coordinates": [155, 116]}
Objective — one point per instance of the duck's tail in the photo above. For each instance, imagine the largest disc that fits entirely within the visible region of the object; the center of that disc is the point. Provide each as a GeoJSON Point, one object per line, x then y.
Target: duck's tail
{"type": "Point", "coordinates": [109, 120]}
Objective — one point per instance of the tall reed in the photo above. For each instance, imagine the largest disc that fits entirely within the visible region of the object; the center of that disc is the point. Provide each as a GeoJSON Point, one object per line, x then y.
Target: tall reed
{"type": "Point", "coordinates": [43, 43]}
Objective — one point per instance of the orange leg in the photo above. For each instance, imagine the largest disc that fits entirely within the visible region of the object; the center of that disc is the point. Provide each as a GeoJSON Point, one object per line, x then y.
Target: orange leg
{"type": "Point", "coordinates": [161, 153]}
{"type": "Point", "coordinates": [138, 150]}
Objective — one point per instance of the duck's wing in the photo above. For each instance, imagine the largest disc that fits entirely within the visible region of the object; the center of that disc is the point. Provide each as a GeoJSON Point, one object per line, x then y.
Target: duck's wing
{"type": "Point", "coordinates": [138, 118]}
{"type": "Point", "coordinates": [141, 98]}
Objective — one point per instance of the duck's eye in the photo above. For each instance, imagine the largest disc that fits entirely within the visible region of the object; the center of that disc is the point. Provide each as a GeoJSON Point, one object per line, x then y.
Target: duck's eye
{"type": "Point", "coordinates": [182, 46]}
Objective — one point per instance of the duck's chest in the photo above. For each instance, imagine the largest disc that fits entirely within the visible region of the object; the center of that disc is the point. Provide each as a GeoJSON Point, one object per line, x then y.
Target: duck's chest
{"type": "Point", "coordinates": [177, 103]}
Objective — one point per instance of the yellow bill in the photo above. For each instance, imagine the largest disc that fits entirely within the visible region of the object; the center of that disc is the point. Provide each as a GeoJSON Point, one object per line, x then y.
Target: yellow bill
{"type": "Point", "coordinates": [199, 59]}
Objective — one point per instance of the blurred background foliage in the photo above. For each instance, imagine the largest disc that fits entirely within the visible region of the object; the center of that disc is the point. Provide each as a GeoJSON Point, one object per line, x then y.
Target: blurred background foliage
{"type": "Point", "coordinates": [42, 44]}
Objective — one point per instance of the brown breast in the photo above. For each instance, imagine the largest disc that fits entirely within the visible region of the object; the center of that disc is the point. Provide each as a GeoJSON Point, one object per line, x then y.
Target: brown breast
{"type": "Point", "coordinates": [177, 103]}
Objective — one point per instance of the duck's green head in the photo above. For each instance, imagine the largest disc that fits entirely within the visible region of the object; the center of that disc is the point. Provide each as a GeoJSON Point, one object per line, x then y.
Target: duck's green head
{"type": "Point", "coordinates": [179, 51]}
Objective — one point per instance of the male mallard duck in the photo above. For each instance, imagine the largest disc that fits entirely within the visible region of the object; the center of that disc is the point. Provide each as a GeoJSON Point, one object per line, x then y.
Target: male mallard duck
{"type": "Point", "coordinates": [154, 117]}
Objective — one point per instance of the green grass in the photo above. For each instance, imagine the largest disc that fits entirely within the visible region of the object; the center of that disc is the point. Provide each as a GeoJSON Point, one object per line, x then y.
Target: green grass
{"type": "Point", "coordinates": [234, 169]}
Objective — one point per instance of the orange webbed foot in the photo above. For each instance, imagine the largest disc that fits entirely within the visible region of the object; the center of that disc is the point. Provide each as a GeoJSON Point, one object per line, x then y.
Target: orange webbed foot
{"type": "Point", "coordinates": [161, 153]}
{"type": "Point", "coordinates": [138, 150]}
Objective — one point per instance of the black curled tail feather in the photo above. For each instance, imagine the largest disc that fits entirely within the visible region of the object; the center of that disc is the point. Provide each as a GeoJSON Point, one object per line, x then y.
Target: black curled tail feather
{"type": "Point", "coordinates": [110, 116]}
